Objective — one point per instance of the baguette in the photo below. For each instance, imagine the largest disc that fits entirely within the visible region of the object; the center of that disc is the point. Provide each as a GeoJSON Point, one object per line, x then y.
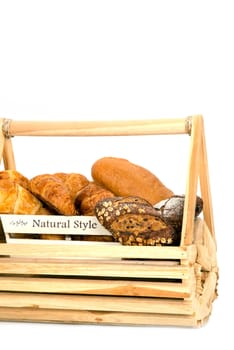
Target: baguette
{"type": "Point", "coordinates": [124, 178]}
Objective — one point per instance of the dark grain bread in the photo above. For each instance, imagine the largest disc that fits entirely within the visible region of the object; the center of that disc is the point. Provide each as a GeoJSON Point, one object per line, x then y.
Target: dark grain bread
{"type": "Point", "coordinates": [134, 221]}
{"type": "Point", "coordinates": [171, 210]}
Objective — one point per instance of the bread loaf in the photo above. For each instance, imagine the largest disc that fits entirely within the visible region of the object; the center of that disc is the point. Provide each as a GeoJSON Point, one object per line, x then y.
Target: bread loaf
{"type": "Point", "coordinates": [124, 178]}
{"type": "Point", "coordinates": [171, 210]}
{"type": "Point", "coordinates": [53, 237]}
{"type": "Point", "coordinates": [97, 238]}
{"type": "Point", "coordinates": [53, 192]}
{"type": "Point", "coordinates": [134, 221]}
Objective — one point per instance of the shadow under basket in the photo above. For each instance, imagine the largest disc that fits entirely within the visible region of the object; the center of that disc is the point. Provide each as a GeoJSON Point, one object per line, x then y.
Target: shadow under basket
{"type": "Point", "coordinates": [105, 282]}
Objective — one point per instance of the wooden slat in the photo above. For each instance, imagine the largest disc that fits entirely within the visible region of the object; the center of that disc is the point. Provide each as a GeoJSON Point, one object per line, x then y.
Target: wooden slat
{"type": "Point", "coordinates": [191, 182]}
{"type": "Point", "coordinates": [96, 317]}
{"type": "Point", "coordinates": [96, 303]}
{"type": "Point", "coordinates": [8, 155]}
{"type": "Point", "coordinates": [68, 249]}
{"type": "Point", "coordinates": [205, 186]}
{"type": "Point", "coordinates": [97, 287]}
{"type": "Point", "coordinates": [2, 140]}
{"type": "Point", "coordinates": [92, 268]}
{"type": "Point", "coordinates": [98, 128]}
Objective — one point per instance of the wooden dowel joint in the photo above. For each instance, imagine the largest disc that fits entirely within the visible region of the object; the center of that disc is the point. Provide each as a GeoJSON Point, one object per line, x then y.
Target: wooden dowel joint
{"type": "Point", "coordinates": [188, 125]}
{"type": "Point", "coordinates": [6, 128]}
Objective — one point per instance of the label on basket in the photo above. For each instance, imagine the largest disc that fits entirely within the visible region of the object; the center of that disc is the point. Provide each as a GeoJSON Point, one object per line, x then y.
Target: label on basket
{"type": "Point", "coordinates": [52, 224]}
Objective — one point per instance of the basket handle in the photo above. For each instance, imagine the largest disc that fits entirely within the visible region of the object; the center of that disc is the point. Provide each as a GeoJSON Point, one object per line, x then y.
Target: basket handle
{"type": "Point", "coordinates": [6, 148]}
{"type": "Point", "coordinates": [96, 128]}
{"type": "Point", "coordinates": [2, 139]}
{"type": "Point", "coordinates": [197, 170]}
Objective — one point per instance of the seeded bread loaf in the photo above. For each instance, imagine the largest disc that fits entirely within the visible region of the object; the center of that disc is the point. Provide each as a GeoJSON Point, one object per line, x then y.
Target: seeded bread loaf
{"type": "Point", "coordinates": [124, 178]}
{"type": "Point", "coordinates": [134, 221]}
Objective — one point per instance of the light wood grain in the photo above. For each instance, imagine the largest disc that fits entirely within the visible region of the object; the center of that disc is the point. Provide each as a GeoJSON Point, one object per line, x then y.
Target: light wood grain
{"type": "Point", "coordinates": [203, 304]}
{"type": "Point", "coordinates": [192, 181]}
{"type": "Point", "coordinates": [96, 303]}
{"type": "Point", "coordinates": [92, 268]}
{"type": "Point", "coordinates": [2, 140]}
{"type": "Point", "coordinates": [206, 246]}
{"type": "Point", "coordinates": [95, 286]}
{"type": "Point", "coordinates": [8, 155]}
{"type": "Point", "coordinates": [96, 317]}
{"type": "Point", "coordinates": [98, 128]}
{"type": "Point", "coordinates": [110, 283]}
{"type": "Point", "coordinates": [71, 250]}
{"type": "Point", "coordinates": [205, 186]}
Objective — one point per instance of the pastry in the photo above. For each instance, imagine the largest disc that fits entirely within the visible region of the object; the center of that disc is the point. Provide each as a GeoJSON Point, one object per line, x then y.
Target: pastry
{"type": "Point", "coordinates": [98, 238]}
{"type": "Point", "coordinates": [124, 178]}
{"type": "Point", "coordinates": [53, 237]}
{"type": "Point", "coordinates": [14, 176]}
{"type": "Point", "coordinates": [88, 197]}
{"type": "Point", "coordinates": [15, 199]}
{"type": "Point", "coordinates": [52, 191]}
{"type": "Point", "coordinates": [75, 182]}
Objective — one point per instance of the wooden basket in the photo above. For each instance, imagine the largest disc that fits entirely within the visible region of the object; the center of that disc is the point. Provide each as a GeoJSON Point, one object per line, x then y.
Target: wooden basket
{"type": "Point", "coordinates": [110, 283]}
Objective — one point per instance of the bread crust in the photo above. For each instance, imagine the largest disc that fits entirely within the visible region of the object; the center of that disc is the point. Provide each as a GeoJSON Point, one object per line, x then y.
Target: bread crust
{"type": "Point", "coordinates": [172, 210]}
{"type": "Point", "coordinates": [87, 198]}
{"type": "Point", "coordinates": [15, 176]}
{"type": "Point", "coordinates": [52, 191]}
{"type": "Point", "coordinates": [15, 199]}
{"type": "Point", "coordinates": [124, 178]}
{"type": "Point", "coordinates": [134, 221]}
{"type": "Point", "coordinates": [75, 182]}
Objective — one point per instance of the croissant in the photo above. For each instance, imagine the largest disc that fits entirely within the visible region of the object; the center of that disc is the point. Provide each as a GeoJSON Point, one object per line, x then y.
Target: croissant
{"type": "Point", "coordinates": [54, 193]}
{"type": "Point", "coordinates": [87, 198]}
{"type": "Point", "coordinates": [75, 182]}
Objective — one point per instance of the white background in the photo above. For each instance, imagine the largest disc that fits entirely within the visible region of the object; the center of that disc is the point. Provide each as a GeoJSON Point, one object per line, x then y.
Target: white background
{"type": "Point", "coordinates": [96, 60]}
